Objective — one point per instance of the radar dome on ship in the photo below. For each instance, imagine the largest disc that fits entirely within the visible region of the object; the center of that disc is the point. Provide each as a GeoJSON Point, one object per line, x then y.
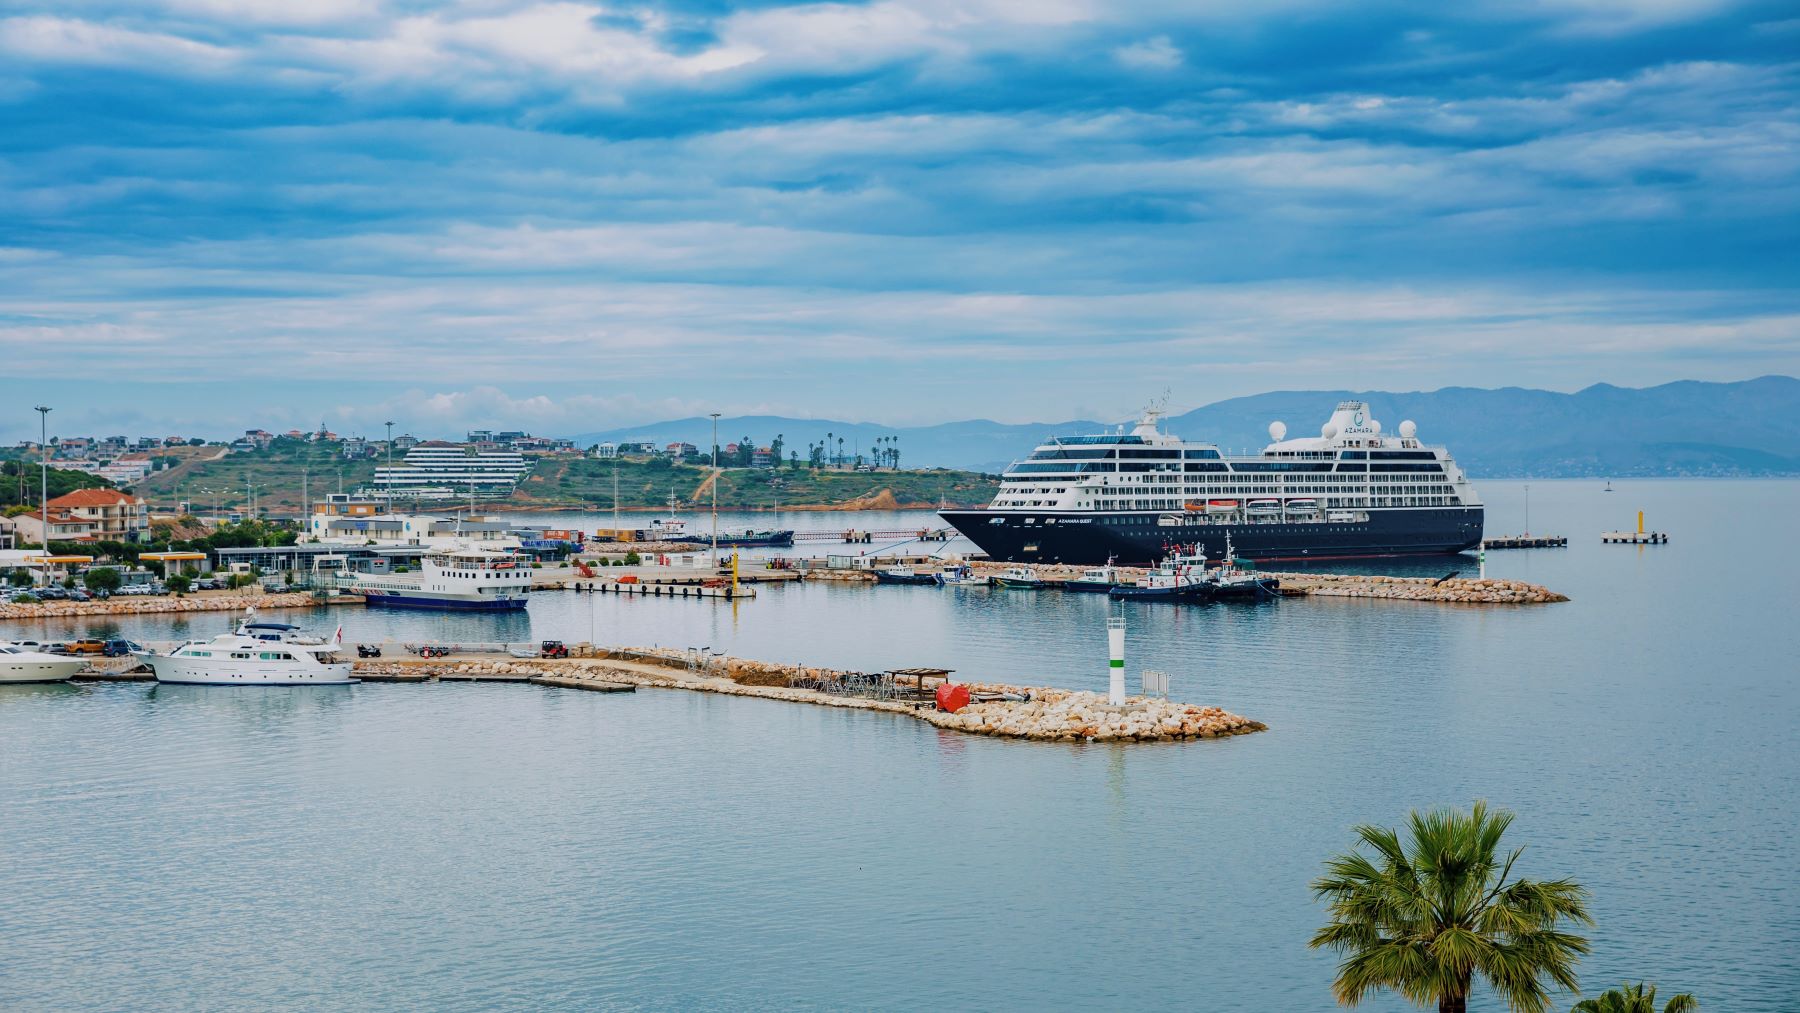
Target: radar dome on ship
{"type": "Point", "coordinates": [1328, 430]}
{"type": "Point", "coordinates": [1408, 430]}
{"type": "Point", "coordinates": [1277, 431]}
{"type": "Point", "coordinates": [1375, 426]}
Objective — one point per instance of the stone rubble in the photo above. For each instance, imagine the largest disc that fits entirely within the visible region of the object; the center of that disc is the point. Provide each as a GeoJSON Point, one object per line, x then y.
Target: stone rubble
{"type": "Point", "coordinates": [1049, 715]}
{"type": "Point", "coordinates": [168, 603]}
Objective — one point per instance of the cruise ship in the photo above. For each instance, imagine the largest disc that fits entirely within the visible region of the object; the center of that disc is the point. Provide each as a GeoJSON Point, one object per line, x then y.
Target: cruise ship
{"type": "Point", "coordinates": [467, 578]}
{"type": "Point", "coordinates": [1348, 493]}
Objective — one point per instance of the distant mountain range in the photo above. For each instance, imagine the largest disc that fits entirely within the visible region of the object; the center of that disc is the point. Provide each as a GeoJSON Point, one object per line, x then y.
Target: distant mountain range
{"type": "Point", "coordinates": [1688, 428]}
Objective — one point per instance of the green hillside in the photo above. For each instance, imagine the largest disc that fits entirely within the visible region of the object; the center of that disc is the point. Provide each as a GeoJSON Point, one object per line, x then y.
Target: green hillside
{"type": "Point", "coordinates": [647, 484]}
{"type": "Point", "coordinates": [20, 486]}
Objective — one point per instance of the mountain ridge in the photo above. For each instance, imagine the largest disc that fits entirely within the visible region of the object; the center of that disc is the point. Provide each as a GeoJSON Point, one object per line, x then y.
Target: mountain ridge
{"type": "Point", "coordinates": [1682, 428]}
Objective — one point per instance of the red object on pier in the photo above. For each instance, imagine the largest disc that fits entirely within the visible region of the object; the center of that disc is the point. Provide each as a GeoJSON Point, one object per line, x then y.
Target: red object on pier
{"type": "Point", "coordinates": [952, 697]}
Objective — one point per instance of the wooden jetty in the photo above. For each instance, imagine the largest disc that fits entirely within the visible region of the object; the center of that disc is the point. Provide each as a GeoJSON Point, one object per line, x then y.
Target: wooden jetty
{"type": "Point", "coordinates": [1527, 542]}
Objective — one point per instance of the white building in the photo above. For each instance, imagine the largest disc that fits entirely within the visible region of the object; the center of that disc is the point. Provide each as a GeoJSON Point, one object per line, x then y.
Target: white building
{"type": "Point", "coordinates": [439, 470]}
{"type": "Point", "coordinates": [606, 451]}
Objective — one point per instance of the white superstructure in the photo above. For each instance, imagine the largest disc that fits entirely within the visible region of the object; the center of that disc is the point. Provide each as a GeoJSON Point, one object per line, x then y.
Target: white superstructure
{"type": "Point", "coordinates": [257, 654]}
{"type": "Point", "coordinates": [1149, 469]}
{"type": "Point", "coordinates": [465, 577]}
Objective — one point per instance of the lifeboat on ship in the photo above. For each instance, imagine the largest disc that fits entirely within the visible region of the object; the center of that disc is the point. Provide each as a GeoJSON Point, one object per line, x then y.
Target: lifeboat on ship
{"type": "Point", "coordinates": [1221, 506]}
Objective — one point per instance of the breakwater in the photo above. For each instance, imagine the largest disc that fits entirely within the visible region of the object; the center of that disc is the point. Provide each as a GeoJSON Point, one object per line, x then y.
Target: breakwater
{"type": "Point", "coordinates": [1006, 711]}
{"type": "Point", "coordinates": [1465, 590]}
{"type": "Point", "coordinates": [168, 603]}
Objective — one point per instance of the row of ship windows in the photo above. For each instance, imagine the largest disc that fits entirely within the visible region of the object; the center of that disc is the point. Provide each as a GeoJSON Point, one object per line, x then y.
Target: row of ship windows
{"type": "Point", "coordinates": [246, 655]}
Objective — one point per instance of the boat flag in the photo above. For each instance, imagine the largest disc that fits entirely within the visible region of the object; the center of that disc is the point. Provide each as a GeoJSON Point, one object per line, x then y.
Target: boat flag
{"type": "Point", "coordinates": [340, 635]}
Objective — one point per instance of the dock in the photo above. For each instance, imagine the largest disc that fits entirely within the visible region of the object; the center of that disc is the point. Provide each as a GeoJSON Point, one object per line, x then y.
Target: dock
{"type": "Point", "coordinates": [1527, 542]}
{"type": "Point", "coordinates": [1635, 538]}
{"type": "Point", "coordinates": [725, 592]}
{"type": "Point", "coordinates": [1638, 537]}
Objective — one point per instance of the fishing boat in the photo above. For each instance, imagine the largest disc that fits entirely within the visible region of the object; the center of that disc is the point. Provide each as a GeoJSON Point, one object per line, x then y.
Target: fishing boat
{"type": "Point", "coordinates": [908, 575]}
{"type": "Point", "coordinates": [1099, 579]}
{"type": "Point", "coordinates": [256, 654]}
{"type": "Point", "coordinates": [964, 576]}
{"type": "Point", "coordinates": [1019, 577]}
{"type": "Point", "coordinates": [23, 664]}
{"type": "Point", "coordinates": [1179, 577]}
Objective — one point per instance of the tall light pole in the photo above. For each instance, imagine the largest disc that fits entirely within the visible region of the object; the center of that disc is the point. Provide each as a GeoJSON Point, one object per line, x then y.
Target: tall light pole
{"type": "Point", "coordinates": [715, 496]}
{"type": "Point", "coordinates": [390, 443]}
{"type": "Point", "coordinates": [44, 485]}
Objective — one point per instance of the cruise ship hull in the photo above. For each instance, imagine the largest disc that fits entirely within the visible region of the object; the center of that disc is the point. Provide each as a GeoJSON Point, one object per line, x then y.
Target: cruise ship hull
{"type": "Point", "coordinates": [1138, 539]}
{"type": "Point", "coordinates": [422, 601]}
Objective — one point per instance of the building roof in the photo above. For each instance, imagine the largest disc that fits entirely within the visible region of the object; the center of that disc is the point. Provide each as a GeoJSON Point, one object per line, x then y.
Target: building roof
{"type": "Point", "coordinates": [93, 498]}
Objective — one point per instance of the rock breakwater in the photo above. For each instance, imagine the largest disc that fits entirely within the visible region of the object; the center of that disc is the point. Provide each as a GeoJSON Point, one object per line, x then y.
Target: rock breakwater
{"type": "Point", "coordinates": [147, 605]}
{"type": "Point", "coordinates": [1025, 712]}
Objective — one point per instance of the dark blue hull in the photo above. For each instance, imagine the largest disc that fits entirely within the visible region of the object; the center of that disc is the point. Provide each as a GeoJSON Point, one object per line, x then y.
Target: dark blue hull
{"type": "Point", "coordinates": [1090, 586]}
{"type": "Point", "coordinates": [444, 605]}
{"type": "Point", "coordinates": [1139, 539]}
{"type": "Point", "coordinates": [1187, 592]}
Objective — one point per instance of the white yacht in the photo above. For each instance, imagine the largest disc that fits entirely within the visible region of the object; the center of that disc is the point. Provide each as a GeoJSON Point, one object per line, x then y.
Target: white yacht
{"type": "Point", "coordinates": [257, 654]}
{"type": "Point", "coordinates": [464, 578]}
{"type": "Point", "coordinates": [23, 664]}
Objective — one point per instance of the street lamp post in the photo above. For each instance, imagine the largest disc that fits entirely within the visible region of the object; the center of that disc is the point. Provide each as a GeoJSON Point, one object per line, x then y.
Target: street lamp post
{"type": "Point", "coordinates": [715, 495]}
{"type": "Point", "coordinates": [44, 486]}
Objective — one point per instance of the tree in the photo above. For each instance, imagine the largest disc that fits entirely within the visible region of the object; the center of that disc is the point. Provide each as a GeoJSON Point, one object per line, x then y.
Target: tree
{"type": "Point", "coordinates": [1638, 998]}
{"type": "Point", "coordinates": [1424, 916]}
{"type": "Point", "coordinates": [793, 460]}
{"type": "Point", "coordinates": [181, 583]}
{"type": "Point", "coordinates": [775, 446]}
{"type": "Point", "coordinates": [840, 453]}
{"type": "Point", "coordinates": [102, 578]}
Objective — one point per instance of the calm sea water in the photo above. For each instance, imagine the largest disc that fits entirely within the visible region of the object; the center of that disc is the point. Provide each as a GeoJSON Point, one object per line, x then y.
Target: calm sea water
{"type": "Point", "coordinates": [474, 846]}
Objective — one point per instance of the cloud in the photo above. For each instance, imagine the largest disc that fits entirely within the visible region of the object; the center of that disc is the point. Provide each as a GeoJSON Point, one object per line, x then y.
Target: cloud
{"type": "Point", "coordinates": [976, 198]}
{"type": "Point", "coordinates": [1151, 54]}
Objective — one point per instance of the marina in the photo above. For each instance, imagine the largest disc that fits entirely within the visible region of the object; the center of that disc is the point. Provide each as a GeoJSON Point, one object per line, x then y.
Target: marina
{"type": "Point", "coordinates": [1348, 686]}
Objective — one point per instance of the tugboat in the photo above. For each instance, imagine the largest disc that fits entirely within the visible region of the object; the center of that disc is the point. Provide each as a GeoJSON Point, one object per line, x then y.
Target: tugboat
{"type": "Point", "coordinates": [1019, 577]}
{"type": "Point", "coordinates": [907, 575]}
{"type": "Point", "coordinates": [1231, 582]}
{"type": "Point", "coordinates": [1179, 577]}
{"type": "Point", "coordinates": [1099, 579]}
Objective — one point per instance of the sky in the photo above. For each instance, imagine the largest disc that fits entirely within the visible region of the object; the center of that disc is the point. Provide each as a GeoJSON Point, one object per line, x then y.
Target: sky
{"type": "Point", "coordinates": [568, 216]}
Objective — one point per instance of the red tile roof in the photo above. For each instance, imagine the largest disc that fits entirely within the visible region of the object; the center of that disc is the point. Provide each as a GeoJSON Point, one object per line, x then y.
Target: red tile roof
{"type": "Point", "coordinates": [92, 498]}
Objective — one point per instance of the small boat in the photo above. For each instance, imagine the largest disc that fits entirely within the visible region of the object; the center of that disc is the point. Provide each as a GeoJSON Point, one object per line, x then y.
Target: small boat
{"type": "Point", "coordinates": [1019, 577]}
{"type": "Point", "coordinates": [1608, 486]}
{"type": "Point", "coordinates": [1231, 581]}
{"type": "Point", "coordinates": [1303, 506]}
{"type": "Point", "coordinates": [1179, 577]}
{"type": "Point", "coordinates": [257, 654]}
{"type": "Point", "coordinates": [1099, 579]}
{"type": "Point", "coordinates": [461, 578]}
{"type": "Point", "coordinates": [964, 576]}
{"type": "Point", "coordinates": [1264, 507]}
{"type": "Point", "coordinates": [22, 664]}
{"type": "Point", "coordinates": [1221, 506]}
{"type": "Point", "coordinates": [908, 575]}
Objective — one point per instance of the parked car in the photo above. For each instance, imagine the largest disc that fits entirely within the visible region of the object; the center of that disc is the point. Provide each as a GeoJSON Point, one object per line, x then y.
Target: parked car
{"type": "Point", "coordinates": [50, 593]}
{"type": "Point", "coordinates": [78, 595]}
{"type": "Point", "coordinates": [86, 645]}
{"type": "Point", "coordinates": [120, 648]}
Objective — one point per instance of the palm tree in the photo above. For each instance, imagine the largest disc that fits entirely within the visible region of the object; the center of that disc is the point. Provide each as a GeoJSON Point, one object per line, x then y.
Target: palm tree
{"type": "Point", "coordinates": [1425, 916]}
{"type": "Point", "coordinates": [1639, 998]}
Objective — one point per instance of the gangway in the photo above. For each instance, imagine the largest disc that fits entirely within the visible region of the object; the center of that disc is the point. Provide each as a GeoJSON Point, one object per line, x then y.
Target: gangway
{"type": "Point", "coordinates": [855, 537]}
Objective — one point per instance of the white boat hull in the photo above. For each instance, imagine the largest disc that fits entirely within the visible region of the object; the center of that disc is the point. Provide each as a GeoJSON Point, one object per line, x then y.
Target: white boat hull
{"type": "Point", "coordinates": [59, 670]}
{"type": "Point", "coordinates": [233, 672]}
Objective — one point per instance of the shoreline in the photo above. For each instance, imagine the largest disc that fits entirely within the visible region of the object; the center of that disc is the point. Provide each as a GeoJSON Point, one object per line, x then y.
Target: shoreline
{"type": "Point", "coordinates": [163, 604]}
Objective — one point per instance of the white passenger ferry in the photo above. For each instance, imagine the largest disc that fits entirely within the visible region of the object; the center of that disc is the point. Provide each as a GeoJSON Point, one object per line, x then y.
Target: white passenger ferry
{"type": "Point", "coordinates": [1352, 491]}
{"type": "Point", "coordinates": [257, 654]}
{"type": "Point", "coordinates": [470, 579]}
